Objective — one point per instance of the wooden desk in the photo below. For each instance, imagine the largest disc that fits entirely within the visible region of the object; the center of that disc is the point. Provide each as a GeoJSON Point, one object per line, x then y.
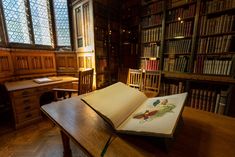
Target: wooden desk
{"type": "Point", "coordinates": [25, 98]}
{"type": "Point", "coordinates": [203, 134]}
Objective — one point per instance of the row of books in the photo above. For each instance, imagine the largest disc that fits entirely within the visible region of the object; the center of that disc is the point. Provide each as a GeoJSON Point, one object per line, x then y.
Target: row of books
{"type": "Point", "coordinates": [153, 8]}
{"type": "Point", "coordinates": [4, 64]}
{"type": "Point", "coordinates": [172, 88]}
{"type": "Point", "coordinates": [219, 5]}
{"type": "Point", "coordinates": [152, 20]}
{"type": "Point", "coordinates": [175, 3]}
{"type": "Point", "coordinates": [179, 64]}
{"type": "Point", "coordinates": [179, 13]}
{"type": "Point", "coordinates": [149, 64]}
{"type": "Point", "coordinates": [215, 25]}
{"type": "Point", "coordinates": [219, 44]}
{"type": "Point", "coordinates": [151, 50]}
{"type": "Point", "coordinates": [179, 46]}
{"type": "Point", "coordinates": [209, 100]}
{"type": "Point", "coordinates": [152, 34]}
{"type": "Point", "coordinates": [215, 66]}
{"type": "Point", "coordinates": [179, 29]}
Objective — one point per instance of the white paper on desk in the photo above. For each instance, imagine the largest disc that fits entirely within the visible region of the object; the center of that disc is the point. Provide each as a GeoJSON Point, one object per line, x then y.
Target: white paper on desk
{"type": "Point", "coordinates": [42, 80]}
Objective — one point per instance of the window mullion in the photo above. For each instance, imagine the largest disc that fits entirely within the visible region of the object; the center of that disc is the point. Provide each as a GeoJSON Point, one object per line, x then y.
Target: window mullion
{"type": "Point", "coordinates": [30, 22]}
{"type": "Point", "coordinates": [52, 13]}
{"type": "Point", "coordinates": [3, 34]}
{"type": "Point", "coordinates": [50, 21]}
{"type": "Point", "coordinates": [70, 18]}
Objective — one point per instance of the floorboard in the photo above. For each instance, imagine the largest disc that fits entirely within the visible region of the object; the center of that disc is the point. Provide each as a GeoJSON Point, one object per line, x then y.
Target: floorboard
{"type": "Point", "coordinates": [38, 140]}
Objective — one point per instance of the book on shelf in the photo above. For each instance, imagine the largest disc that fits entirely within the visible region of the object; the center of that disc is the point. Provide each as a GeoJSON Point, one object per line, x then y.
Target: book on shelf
{"type": "Point", "coordinates": [129, 111]}
{"type": "Point", "coordinates": [223, 101]}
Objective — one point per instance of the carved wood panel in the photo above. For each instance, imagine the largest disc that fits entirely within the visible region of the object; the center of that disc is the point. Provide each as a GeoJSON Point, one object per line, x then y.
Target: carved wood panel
{"type": "Point", "coordinates": [6, 66]}
{"type": "Point", "coordinates": [33, 62]}
{"type": "Point", "coordinates": [66, 62]}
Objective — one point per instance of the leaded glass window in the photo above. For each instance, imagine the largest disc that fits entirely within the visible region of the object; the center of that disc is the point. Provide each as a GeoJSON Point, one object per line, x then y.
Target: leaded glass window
{"type": "Point", "coordinates": [30, 22]}
{"type": "Point", "coordinates": [62, 22]}
{"type": "Point", "coordinates": [41, 20]}
{"type": "Point", "coordinates": [16, 21]}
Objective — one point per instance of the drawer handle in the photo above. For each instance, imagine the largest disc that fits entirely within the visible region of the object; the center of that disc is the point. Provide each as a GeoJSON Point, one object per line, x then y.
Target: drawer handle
{"type": "Point", "coordinates": [28, 115]}
{"type": "Point", "coordinates": [27, 108]}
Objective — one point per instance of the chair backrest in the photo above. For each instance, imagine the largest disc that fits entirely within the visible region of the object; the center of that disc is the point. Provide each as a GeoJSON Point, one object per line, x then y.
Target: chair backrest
{"type": "Point", "coordinates": [151, 85]}
{"type": "Point", "coordinates": [85, 81]}
{"type": "Point", "coordinates": [134, 78]}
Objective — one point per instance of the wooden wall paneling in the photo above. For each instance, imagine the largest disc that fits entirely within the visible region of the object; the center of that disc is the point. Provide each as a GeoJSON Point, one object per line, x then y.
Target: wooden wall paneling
{"type": "Point", "coordinates": [66, 62]}
{"type": "Point", "coordinates": [28, 62]}
{"type": "Point", "coordinates": [6, 65]}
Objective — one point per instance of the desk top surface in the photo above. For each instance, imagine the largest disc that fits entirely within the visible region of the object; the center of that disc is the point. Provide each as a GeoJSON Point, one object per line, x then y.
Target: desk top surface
{"type": "Point", "coordinates": [24, 84]}
{"type": "Point", "coordinates": [203, 133]}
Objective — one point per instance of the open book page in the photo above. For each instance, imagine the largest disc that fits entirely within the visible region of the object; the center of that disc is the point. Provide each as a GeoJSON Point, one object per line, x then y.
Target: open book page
{"type": "Point", "coordinates": [156, 116]}
{"type": "Point", "coordinates": [115, 102]}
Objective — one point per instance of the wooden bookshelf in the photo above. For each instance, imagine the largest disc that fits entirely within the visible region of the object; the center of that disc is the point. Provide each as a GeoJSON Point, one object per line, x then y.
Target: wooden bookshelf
{"type": "Point", "coordinates": [180, 20]}
{"type": "Point", "coordinates": [107, 36]}
{"type": "Point", "coordinates": [129, 34]}
{"type": "Point", "coordinates": [152, 15]}
{"type": "Point", "coordinates": [192, 42]}
{"type": "Point", "coordinates": [200, 77]}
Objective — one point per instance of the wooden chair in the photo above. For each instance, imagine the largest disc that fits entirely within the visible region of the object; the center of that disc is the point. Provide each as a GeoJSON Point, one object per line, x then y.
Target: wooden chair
{"type": "Point", "coordinates": [151, 84]}
{"type": "Point", "coordinates": [85, 85]}
{"type": "Point", "coordinates": [85, 81]}
{"type": "Point", "coordinates": [134, 78]}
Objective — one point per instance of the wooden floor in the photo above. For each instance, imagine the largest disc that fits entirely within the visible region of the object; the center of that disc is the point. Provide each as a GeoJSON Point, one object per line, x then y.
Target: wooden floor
{"type": "Point", "coordinates": [38, 140]}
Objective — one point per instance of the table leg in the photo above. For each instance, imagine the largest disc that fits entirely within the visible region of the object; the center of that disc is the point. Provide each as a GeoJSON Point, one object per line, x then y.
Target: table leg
{"type": "Point", "coordinates": [66, 145]}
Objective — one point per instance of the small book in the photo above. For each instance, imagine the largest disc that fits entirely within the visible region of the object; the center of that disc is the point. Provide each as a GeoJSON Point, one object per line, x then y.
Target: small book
{"type": "Point", "coordinates": [46, 79]}
{"type": "Point", "coordinates": [129, 111]}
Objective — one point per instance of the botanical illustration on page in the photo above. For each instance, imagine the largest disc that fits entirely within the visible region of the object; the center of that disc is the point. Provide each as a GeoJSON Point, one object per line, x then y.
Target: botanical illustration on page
{"type": "Point", "coordinates": [157, 109]}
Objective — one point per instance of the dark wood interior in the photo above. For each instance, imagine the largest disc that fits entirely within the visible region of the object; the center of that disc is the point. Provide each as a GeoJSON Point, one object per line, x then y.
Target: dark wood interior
{"type": "Point", "coordinates": [123, 31]}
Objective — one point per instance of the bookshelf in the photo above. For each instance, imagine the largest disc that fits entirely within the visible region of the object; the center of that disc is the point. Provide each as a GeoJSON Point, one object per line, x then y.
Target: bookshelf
{"type": "Point", "coordinates": [180, 19]}
{"type": "Point", "coordinates": [215, 51]}
{"type": "Point", "coordinates": [152, 15]}
{"type": "Point", "coordinates": [107, 35]}
{"type": "Point", "coordinates": [130, 36]}
{"type": "Point", "coordinates": [96, 35]}
{"type": "Point", "coordinates": [191, 41]}
{"type": "Point", "coordinates": [214, 57]}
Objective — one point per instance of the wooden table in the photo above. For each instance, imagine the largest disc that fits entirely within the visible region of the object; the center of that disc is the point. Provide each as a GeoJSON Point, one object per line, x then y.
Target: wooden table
{"type": "Point", "coordinates": [25, 97]}
{"type": "Point", "coordinates": [203, 134]}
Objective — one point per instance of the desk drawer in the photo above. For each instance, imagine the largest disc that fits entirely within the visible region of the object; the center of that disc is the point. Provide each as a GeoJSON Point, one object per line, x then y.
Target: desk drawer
{"type": "Point", "coordinates": [22, 117]}
{"type": "Point", "coordinates": [23, 93]}
{"type": "Point", "coordinates": [26, 104]}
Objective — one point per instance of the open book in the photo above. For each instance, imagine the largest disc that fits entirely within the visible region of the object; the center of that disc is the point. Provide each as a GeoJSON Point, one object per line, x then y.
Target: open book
{"type": "Point", "coordinates": [129, 111]}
